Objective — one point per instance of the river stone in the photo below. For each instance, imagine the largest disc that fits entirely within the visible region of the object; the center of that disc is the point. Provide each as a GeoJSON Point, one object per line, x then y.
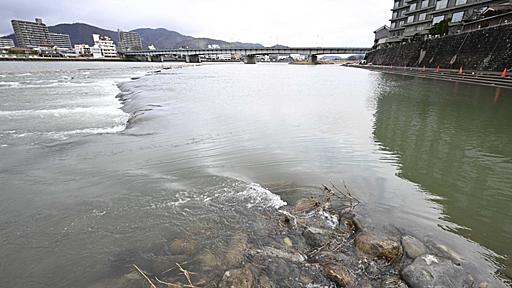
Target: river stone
{"type": "Point", "coordinates": [306, 205]}
{"type": "Point", "coordinates": [237, 278]}
{"type": "Point", "coordinates": [432, 271]}
{"type": "Point", "coordinates": [183, 247]}
{"type": "Point", "coordinates": [315, 237]}
{"type": "Point", "coordinates": [393, 282]}
{"type": "Point", "coordinates": [339, 274]}
{"type": "Point", "coordinates": [265, 282]}
{"type": "Point", "coordinates": [288, 242]}
{"type": "Point", "coordinates": [379, 246]}
{"type": "Point", "coordinates": [413, 247]}
{"type": "Point", "coordinates": [236, 251]}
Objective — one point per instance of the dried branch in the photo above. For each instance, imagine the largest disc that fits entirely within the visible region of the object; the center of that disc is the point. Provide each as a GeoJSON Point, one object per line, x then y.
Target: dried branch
{"type": "Point", "coordinates": [144, 275]}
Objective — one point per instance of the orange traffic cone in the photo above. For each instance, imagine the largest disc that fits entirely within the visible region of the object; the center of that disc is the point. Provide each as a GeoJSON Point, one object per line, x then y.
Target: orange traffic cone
{"type": "Point", "coordinates": [504, 73]}
{"type": "Point", "coordinates": [437, 69]}
{"type": "Point", "coordinates": [461, 71]}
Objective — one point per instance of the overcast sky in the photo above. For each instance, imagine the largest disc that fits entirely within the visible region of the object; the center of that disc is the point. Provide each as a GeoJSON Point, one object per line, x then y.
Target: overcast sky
{"type": "Point", "coordinates": [269, 22]}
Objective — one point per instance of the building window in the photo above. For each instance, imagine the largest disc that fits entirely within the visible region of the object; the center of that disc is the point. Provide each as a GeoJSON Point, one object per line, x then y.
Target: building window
{"type": "Point", "coordinates": [393, 25]}
{"type": "Point", "coordinates": [457, 17]}
{"type": "Point", "coordinates": [397, 4]}
{"type": "Point", "coordinates": [438, 19]}
{"type": "Point", "coordinates": [461, 2]}
{"type": "Point", "coordinates": [412, 7]}
{"type": "Point", "coordinates": [395, 14]}
{"type": "Point", "coordinates": [441, 4]}
{"type": "Point", "coordinates": [424, 4]}
{"type": "Point", "coordinates": [410, 19]}
{"type": "Point", "coordinates": [422, 16]}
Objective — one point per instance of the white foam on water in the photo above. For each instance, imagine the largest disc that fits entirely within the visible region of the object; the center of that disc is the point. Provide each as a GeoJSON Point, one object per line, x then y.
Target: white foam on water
{"type": "Point", "coordinates": [10, 84]}
{"type": "Point", "coordinates": [257, 196]}
{"type": "Point", "coordinates": [111, 110]}
{"type": "Point", "coordinates": [24, 74]}
{"type": "Point", "coordinates": [2, 76]}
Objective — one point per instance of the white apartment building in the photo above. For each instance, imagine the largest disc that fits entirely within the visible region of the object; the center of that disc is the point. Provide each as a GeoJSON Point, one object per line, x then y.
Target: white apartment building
{"type": "Point", "coordinates": [82, 49]}
{"type": "Point", "coordinates": [103, 47]}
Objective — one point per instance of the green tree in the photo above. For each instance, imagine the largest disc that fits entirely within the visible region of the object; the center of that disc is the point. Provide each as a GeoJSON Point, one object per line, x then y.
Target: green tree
{"type": "Point", "coordinates": [440, 28]}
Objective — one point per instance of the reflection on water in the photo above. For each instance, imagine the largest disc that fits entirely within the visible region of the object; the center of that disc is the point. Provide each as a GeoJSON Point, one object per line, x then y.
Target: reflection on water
{"type": "Point", "coordinates": [455, 141]}
{"type": "Point", "coordinates": [211, 151]}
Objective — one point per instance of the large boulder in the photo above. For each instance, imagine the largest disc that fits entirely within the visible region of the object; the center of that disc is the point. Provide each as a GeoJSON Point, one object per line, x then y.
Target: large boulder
{"type": "Point", "coordinates": [432, 271]}
{"type": "Point", "coordinates": [237, 278]}
{"type": "Point", "coordinates": [379, 246]}
{"type": "Point", "coordinates": [413, 247]}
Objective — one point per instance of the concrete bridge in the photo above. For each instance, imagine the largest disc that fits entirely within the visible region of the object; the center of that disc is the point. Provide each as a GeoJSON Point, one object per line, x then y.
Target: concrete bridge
{"type": "Point", "coordinates": [192, 55]}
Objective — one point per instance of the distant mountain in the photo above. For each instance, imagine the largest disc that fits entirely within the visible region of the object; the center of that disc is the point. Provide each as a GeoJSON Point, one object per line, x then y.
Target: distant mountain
{"type": "Point", "coordinates": [81, 33]}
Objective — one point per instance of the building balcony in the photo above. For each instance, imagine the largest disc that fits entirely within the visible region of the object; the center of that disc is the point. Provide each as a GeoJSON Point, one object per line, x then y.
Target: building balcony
{"type": "Point", "coordinates": [420, 10]}
{"type": "Point", "coordinates": [417, 22]}
{"type": "Point", "coordinates": [398, 18]}
{"type": "Point", "coordinates": [396, 29]}
{"type": "Point", "coordinates": [458, 7]}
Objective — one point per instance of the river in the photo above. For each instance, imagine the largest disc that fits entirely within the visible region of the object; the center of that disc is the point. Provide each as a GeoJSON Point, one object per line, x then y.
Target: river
{"type": "Point", "coordinates": [92, 183]}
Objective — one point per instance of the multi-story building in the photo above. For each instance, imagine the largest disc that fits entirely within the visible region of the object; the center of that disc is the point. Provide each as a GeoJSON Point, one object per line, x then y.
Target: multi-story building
{"type": "Point", "coordinates": [60, 40]}
{"type": "Point", "coordinates": [83, 50]}
{"type": "Point", "coordinates": [416, 17]}
{"type": "Point", "coordinates": [103, 47]}
{"type": "Point", "coordinates": [129, 41]}
{"type": "Point", "coordinates": [6, 43]}
{"type": "Point", "coordinates": [31, 34]}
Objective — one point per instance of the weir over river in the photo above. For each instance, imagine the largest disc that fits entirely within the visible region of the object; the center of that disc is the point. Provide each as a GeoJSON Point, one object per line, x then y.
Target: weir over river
{"type": "Point", "coordinates": [91, 185]}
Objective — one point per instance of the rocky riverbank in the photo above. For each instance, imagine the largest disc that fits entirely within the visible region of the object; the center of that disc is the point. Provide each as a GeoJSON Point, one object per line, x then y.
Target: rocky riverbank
{"type": "Point", "coordinates": [318, 242]}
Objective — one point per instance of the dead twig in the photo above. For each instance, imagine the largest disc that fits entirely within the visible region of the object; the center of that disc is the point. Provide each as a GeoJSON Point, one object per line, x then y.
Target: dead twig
{"type": "Point", "coordinates": [168, 284]}
{"type": "Point", "coordinates": [187, 275]}
{"type": "Point", "coordinates": [144, 275]}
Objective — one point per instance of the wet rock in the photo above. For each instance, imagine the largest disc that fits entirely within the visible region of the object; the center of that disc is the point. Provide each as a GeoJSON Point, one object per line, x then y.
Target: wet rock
{"type": "Point", "coordinates": [379, 246]}
{"type": "Point", "coordinates": [484, 285]}
{"type": "Point", "coordinates": [449, 253]}
{"type": "Point", "coordinates": [413, 247]}
{"type": "Point", "coordinates": [183, 247]}
{"type": "Point", "coordinates": [338, 274]}
{"type": "Point", "coordinates": [236, 250]}
{"type": "Point", "coordinates": [237, 278]}
{"type": "Point", "coordinates": [265, 282]}
{"type": "Point", "coordinates": [274, 252]}
{"type": "Point", "coordinates": [393, 282]}
{"type": "Point", "coordinates": [306, 205]}
{"type": "Point", "coordinates": [288, 242]}
{"type": "Point", "coordinates": [315, 237]}
{"type": "Point", "coordinates": [432, 271]}
{"type": "Point", "coordinates": [130, 280]}
{"type": "Point", "coordinates": [209, 261]}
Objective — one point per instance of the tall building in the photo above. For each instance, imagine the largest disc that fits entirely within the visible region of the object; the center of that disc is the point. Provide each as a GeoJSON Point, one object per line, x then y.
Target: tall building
{"type": "Point", "coordinates": [416, 17]}
{"type": "Point", "coordinates": [6, 43]}
{"type": "Point", "coordinates": [60, 40]}
{"type": "Point", "coordinates": [129, 41]}
{"type": "Point", "coordinates": [103, 47]}
{"type": "Point", "coordinates": [31, 34]}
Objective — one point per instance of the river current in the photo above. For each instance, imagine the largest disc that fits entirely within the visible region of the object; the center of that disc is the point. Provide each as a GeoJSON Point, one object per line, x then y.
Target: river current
{"type": "Point", "coordinates": [103, 164]}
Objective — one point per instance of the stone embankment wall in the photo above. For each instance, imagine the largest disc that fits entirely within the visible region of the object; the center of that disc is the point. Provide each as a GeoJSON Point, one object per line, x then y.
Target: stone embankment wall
{"type": "Point", "coordinates": [486, 49]}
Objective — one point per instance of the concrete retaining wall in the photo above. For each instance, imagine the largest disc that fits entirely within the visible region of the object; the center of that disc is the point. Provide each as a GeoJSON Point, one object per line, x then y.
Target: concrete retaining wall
{"type": "Point", "coordinates": [487, 49]}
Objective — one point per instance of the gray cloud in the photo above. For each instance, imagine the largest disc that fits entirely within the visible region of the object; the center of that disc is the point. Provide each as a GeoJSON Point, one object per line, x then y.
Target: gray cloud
{"type": "Point", "coordinates": [290, 22]}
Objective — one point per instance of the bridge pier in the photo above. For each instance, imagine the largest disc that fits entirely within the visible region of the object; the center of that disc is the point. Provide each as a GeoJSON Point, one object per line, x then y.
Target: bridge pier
{"type": "Point", "coordinates": [313, 59]}
{"type": "Point", "coordinates": [192, 59]}
{"type": "Point", "coordinates": [250, 59]}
